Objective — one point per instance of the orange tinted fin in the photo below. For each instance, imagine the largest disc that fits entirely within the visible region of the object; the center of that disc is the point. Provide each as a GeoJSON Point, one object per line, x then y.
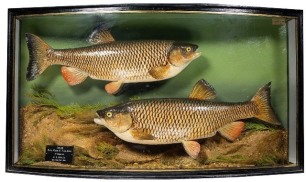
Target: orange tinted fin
{"type": "Point", "coordinates": [160, 72]}
{"type": "Point", "coordinates": [202, 91]}
{"type": "Point", "coordinates": [113, 87]}
{"type": "Point", "coordinates": [38, 51]}
{"type": "Point", "coordinates": [232, 131]}
{"type": "Point", "coordinates": [192, 148]}
{"type": "Point", "coordinates": [73, 76]}
{"type": "Point", "coordinates": [100, 36]}
{"type": "Point", "coordinates": [262, 101]}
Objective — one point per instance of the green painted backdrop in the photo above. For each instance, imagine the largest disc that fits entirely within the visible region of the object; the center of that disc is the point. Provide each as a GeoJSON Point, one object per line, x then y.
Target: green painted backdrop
{"type": "Point", "coordinates": [239, 55]}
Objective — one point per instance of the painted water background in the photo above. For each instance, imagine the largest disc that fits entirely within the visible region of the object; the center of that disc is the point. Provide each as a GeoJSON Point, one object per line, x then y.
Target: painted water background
{"type": "Point", "coordinates": [239, 55]}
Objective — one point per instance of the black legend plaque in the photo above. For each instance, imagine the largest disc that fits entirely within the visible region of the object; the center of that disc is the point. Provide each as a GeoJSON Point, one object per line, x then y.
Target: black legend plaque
{"type": "Point", "coordinates": [62, 154]}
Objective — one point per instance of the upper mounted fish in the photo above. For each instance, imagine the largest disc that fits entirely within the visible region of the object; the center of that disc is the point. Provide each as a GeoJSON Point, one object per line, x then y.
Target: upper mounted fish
{"type": "Point", "coordinates": [182, 120]}
{"type": "Point", "coordinates": [116, 61]}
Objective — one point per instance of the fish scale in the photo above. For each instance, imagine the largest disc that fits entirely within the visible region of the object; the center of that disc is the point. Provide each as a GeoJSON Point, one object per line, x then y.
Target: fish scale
{"type": "Point", "coordinates": [174, 120]}
{"type": "Point", "coordinates": [167, 121]}
{"type": "Point", "coordinates": [105, 59]}
{"type": "Point", "coordinates": [115, 60]}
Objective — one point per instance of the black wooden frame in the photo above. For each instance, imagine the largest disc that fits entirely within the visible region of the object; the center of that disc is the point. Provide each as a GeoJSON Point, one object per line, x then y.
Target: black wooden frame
{"type": "Point", "coordinates": [13, 13]}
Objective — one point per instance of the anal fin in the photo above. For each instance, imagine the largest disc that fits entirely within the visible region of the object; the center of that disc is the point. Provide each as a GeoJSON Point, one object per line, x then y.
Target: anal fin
{"type": "Point", "coordinates": [232, 131]}
{"type": "Point", "coordinates": [73, 76]}
{"type": "Point", "coordinates": [160, 72]}
{"type": "Point", "coordinates": [113, 87]}
{"type": "Point", "coordinates": [202, 91]}
{"type": "Point", "coordinates": [192, 148]}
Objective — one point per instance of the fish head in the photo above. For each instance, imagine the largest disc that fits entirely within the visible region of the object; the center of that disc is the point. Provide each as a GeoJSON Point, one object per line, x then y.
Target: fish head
{"type": "Point", "coordinates": [182, 54]}
{"type": "Point", "coordinates": [117, 118]}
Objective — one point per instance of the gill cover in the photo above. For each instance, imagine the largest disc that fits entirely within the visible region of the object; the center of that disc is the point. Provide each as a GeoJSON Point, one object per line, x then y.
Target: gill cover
{"type": "Point", "coordinates": [182, 53]}
{"type": "Point", "coordinates": [117, 119]}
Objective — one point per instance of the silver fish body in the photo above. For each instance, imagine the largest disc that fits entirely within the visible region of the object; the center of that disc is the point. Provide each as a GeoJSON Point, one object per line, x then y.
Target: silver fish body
{"type": "Point", "coordinates": [169, 121]}
{"type": "Point", "coordinates": [116, 61]}
{"type": "Point", "coordinates": [128, 61]}
{"type": "Point", "coordinates": [166, 121]}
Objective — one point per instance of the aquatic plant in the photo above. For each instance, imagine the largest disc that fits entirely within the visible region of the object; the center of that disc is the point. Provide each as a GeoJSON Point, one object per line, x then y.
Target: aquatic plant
{"type": "Point", "coordinates": [134, 98]}
{"type": "Point", "coordinates": [257, 126]}
{"type": "Point", "coordinates": [27, 157]}
{"type": "Point", "coordinates": [74, 109]}
{"type": "Point", "coordinates": [35, 152]}
{"type": "Point", "coordinates": [84, 160]}
{"type": "Point", "coordinates": [41, 96]}
{"type": "Point", "coordinates": [268, 160]}
{"type": "Point", "coordinates": [107, 150]}
{"type": "Point", "coordinates": [229, 159]}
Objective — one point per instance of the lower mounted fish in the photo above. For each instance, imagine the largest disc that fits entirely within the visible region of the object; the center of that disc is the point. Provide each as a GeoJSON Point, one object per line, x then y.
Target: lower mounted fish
{"type": "Point", "coordinates": [185, 120]}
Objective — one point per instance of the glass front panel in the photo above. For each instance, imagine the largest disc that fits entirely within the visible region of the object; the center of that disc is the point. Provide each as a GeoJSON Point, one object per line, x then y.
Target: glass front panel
{"type": "Point", "coordinates": [121, 110]}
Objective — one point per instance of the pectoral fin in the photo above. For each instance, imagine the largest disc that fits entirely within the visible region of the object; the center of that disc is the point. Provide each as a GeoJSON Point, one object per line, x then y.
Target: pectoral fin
{"type": "Point", "coordinates": [192, 148]}
{"type": "Point", "coordinates": [100, 36]}
{"type": "Point", "coordinates": [73, 76]}
{"type": "Point", "coordinates": [140, 134]}
{"type": "Point", "coordinates": [232, 131]}
{"type": "Point", "coordinates": [160, 72]}
{"type": "Point", "coordinates": [113, 87]}
{"type": "Point", "coordinates": [202, 91]}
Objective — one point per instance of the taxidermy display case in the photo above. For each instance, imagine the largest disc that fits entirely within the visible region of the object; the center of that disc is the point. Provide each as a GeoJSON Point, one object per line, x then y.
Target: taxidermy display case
{"type": "Point", "coordinates": [154, 91]}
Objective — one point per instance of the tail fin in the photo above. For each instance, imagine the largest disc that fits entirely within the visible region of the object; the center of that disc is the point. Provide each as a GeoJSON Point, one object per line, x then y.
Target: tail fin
{"type": "Point", "coordinates": [38, 50]}
{"type": "Point", "coordinates": [262, 100]}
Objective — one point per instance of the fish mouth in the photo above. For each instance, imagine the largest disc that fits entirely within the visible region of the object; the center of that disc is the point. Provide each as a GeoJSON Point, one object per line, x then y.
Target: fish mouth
{"type": "Point", "coordinates": [196, 55]}
{"type": "Point", "coordinates": [99, 121]}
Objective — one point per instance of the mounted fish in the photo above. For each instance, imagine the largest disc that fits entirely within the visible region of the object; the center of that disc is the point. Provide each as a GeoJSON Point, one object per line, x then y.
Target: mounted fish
{"type": "Point", "coordinates": [167, 121]}
{"type": "Point", "coordinates": [116, 61]}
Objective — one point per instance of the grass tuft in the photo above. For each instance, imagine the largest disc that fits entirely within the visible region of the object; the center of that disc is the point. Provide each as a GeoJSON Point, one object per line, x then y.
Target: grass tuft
{"type": "Point", "coordinates": [107, 150]}
{"type": "Point", "coordinates": [41, 96]}
{"type": "Point", "coordinates": [35, 152]}
{"type": "Point", "coordinates": [27, 158]}
{"type": "Point", "coordinates": [134, 98]}
{"type": "Point", "coordinates": [230, 159]}
{"type": "Point", "coordinates": [257, 126]}
{"type": "Point", "coordinates": [267, 160]}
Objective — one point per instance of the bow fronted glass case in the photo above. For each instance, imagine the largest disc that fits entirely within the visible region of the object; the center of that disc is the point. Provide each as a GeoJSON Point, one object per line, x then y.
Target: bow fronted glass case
{"type": "Point", "coordinates": [155, 91]}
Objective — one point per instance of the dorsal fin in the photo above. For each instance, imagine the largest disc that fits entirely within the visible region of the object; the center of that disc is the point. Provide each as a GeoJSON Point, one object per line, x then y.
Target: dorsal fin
{"type": "Point", "coordinates": [100, 36]}
{"type": "Point", "coordinates": [202, 91]}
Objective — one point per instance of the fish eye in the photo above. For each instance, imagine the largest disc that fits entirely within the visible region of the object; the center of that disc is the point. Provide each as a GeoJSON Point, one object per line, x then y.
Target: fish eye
{"type": "Point", "coordinates": [109, 114]}
{"type": "Point", "coordinates": [188, 49]}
